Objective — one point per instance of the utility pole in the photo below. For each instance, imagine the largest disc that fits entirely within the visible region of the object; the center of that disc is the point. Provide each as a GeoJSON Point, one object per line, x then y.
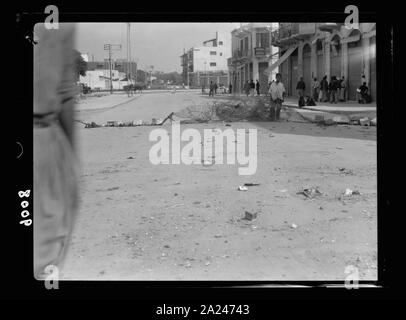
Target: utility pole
{"type": "Point", "coordinates": [187, 66]}
{"type": "Point", "coordinates": [110, 48]}
{"type": "Point", "coordinates": [129, 66]}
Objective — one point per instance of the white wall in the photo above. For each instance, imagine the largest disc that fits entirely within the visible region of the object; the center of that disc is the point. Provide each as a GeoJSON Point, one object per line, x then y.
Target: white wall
{"type": "Point", "coordinates": [202, 54]}
{"type": "Point", "coordinates": [93, 80]}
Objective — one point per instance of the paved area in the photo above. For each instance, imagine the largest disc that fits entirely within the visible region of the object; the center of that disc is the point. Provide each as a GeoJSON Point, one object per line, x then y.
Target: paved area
{"type": "Point", "coordinates": [140, 221]}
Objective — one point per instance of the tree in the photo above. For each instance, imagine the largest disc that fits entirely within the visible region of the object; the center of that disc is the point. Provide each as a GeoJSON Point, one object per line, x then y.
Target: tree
{"type": "Point", "coordinates": [80, 65]}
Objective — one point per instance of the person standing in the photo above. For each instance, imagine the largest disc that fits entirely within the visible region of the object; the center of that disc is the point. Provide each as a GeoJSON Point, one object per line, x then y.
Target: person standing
{"type": "Point", "coordinates": [252, 88]}
{"type": "Point", "coordinates": [300, 87]}
{"type": "Point", "coordinates": [324, 89]}
{"type": "Point", "coordinates": [277, 95]}
{"type": "Point", "coordinates": [230, 88]}
{"type": "Point", "coordinates": [316, 89]}
{"type": "Point", "coordinates": [333, 89]}
{"type": "Point", "coordinates": [343, 89]}
{"type": "Point", "coordinates": [215, 88]}
{"type": "Point", "coordinates": [247, 88]}
{"type": "Point", "coordinates": [257, 86]}
{"type": "Point", "coordinates": [211, 89]}
{"type": "Point", "coordinates": [54, 155]}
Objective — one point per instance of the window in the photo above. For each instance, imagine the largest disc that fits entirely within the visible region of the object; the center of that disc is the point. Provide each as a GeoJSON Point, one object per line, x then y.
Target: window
{"type": "Point", "coordinates": [212, 64]}
{"type": "Point", "coordinates": [221, 54]}
{"type": "Point", "coordinates": [220, 43]}
{"type": "Point", "coordinates": [213, 53]}
{"type": "Point", "coordinates": [246, 43]}
{"type": "Point", "coordinates": [262, 40]}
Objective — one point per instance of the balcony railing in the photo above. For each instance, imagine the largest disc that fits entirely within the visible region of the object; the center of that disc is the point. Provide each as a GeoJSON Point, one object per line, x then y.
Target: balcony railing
{"type": "Point", "coordinates": [261, 51]}
{"type": "Point", "coordinates": [290, 33]}
{"type": "Point", "coordinates": [329, 27]}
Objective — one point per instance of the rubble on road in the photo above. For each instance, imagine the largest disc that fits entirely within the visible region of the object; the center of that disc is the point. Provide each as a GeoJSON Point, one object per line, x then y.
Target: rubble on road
{"type": "Point", "coordinates": [365, 121]}
{"type": "Point", "coordinates": [250, 216]}
{"type": "Point", "coordinates": [310, 192]}
{"type": "Point", "coordinates": [346, 171]}
{"type": "Point", "coordinates": [349, 192]}
{"type": "Point", "coordinates": [153, 122]}
{"type": "Point", "coordinates": [341, 119]}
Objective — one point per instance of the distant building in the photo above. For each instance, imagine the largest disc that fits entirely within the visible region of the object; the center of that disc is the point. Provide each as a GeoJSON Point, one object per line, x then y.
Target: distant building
{"type": "Point", "coordinates": [312, 50]}
{"type": "Point", "coordinates": [100, 79]}
{"type": "Point", "coordinates": [207, 62]}
{"type": "Point", "coordinates": [117, 64]}
{"type": "Point", "coordinates": [252, 53]}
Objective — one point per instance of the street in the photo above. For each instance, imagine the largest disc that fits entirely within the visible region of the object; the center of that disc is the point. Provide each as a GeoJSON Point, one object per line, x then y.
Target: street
{"type": "Point", "coordinates": [139, 221]}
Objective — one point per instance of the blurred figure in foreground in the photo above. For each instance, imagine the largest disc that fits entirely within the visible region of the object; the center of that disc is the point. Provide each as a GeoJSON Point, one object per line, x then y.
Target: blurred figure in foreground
{"type": "Point", "coordinates": [55, 184]}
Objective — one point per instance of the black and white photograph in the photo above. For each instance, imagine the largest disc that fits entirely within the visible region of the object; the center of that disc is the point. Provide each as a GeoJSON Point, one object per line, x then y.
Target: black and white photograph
{"type": "Point", "coordinates": [197, 151]}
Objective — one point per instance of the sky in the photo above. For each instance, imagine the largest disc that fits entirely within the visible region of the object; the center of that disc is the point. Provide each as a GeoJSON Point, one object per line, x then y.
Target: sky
{"type": "Point", "coordinates": [157, 44]}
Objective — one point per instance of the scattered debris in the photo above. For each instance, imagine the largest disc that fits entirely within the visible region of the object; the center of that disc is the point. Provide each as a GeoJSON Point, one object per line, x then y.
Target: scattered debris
{"type": "Point", "coordinates": [310, 192]}
{"type": "Point", "coordinates": [346, 171]}
{"type": "Point", "coordinates": [242, 188]}
{"type": "Point", "coordinates": [293, 226]}
{"type": "Point", "coordinates": [365, 121]}
{"type": "Point", "coordinates": [349, 192]}
{"type": "Point", "coordinates": [341, 119]}
{"type": "Point", "coordinates": [250, 216]}
{"type": "Point", "coordinates": [251, 184]}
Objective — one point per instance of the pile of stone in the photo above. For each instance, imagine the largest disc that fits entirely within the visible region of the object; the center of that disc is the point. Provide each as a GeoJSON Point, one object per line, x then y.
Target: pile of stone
{"type": "Point", "coordinates": [342, 119]}
{"type": "Point", "coordinates": [153, 122]}
{"type": "Point", "coordinates": [227, 110]}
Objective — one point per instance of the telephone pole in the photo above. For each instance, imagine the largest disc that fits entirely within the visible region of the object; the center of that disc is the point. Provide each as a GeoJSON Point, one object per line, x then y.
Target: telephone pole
{"type": "Point", "coordinates": [110, 48]}
{"type": "Point", "coordinates": [129, 67]}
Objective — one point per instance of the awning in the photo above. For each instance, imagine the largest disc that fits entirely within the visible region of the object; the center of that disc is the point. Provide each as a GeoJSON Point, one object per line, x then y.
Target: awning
{"type": "Point", "coordinates": [280, 60]}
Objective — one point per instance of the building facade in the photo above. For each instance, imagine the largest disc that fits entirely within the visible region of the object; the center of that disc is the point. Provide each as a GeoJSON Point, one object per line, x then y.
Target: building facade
{"type": "Point", "coordinates": [315, 50]}
{"type": "Point", "coordinates": [120, 65]}
{"type": "Point", "coordinates": [100, 79]}
{"type": "Point", "coordinates": [206, 63]}
{"type": "Point", "coordinates": [252, 54]}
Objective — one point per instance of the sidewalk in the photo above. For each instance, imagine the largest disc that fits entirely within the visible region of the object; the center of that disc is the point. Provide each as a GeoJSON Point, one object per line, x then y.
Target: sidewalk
{"type": "Point", "coordinates": [341, 111]}
{"type": "Point", "coordinates": [341, 107]}
{"type": "Point", "coordinates": [103, 101]}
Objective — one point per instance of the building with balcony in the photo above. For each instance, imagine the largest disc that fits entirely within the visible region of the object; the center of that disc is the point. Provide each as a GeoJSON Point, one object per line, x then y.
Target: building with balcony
{"type": "Point", "coordinates": [314, 50]}
{"type": "Point", "coordinates": [252, 54]}
{"type": "Point", "coordinates": [206, 63]}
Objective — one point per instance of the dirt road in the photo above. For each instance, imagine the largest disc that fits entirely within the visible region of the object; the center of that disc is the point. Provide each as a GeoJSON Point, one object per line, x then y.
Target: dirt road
{"type": "Point", "coordinates": [140, 221]}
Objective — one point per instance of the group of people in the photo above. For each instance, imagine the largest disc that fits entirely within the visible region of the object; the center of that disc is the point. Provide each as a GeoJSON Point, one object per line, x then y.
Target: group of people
{"type": "Point", "coordinates": [214, 87]}
{"type": "Point", "coordinates": [250, 88]}
{"type": "Point", "coordinates": [333, 91]}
